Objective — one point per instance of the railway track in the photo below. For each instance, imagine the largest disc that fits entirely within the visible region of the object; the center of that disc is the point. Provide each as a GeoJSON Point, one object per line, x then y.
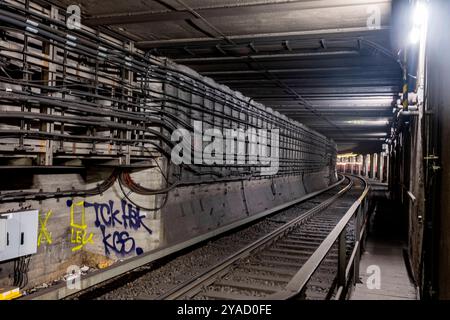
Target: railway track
{"type": "Point", "coordinates": [265, 267]}
{"type": "Point", "coordinates": [254, 262]}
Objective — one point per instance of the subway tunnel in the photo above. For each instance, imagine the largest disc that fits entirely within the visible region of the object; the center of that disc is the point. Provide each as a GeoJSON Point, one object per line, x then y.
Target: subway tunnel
{"type": "Point", "coordinates": [224, 150]}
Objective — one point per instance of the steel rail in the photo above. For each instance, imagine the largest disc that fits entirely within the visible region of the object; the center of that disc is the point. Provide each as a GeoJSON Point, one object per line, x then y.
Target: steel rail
{"type": "Point", "coordinates": [302, 277]}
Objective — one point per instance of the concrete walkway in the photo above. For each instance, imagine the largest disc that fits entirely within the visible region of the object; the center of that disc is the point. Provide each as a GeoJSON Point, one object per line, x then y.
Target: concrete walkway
{"type": "Point", "coordinates": [384, 250]}
{"type": "Point", "coordinates": [394, 281]}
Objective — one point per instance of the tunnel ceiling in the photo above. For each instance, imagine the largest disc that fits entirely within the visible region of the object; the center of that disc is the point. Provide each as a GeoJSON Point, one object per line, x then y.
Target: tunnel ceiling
{"type": "Point", "coordinates": [315, 61]}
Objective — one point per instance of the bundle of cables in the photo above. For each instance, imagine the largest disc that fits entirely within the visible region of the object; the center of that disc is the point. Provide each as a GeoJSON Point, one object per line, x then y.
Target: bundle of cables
{"type": "Point", "coordinates": [21, 267]}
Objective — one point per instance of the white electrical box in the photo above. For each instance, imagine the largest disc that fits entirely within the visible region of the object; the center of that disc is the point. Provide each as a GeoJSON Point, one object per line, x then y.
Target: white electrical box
{"type": "Point", "coordinates": [18, 234]}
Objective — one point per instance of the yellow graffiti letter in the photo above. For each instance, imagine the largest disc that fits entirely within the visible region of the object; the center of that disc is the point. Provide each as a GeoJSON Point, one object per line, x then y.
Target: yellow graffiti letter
{"type": "Point", "coordinates": [43, 232]}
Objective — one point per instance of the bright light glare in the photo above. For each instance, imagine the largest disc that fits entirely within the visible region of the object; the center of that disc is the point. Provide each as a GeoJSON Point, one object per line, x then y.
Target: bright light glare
{"type": "Point", "coordinates": [414, 36]}
{"type": "Point", "coordinates": [420, 18]}
{"type": "Point", "coordinates": [420, 14]}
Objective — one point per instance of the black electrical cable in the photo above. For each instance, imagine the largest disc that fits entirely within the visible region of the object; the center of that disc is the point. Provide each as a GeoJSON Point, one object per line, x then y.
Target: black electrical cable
{"type": "Point", "coordinates": [193, 107]}
{"type": "Point", "coordinates": [21, 268]}
{"type": "Point", "coordinates": [178, 71]}
{"type": "Point", "coordinates": [99, 189]}
{"type": "Point", "coordinates": [166, 196]}
{"type": "Point", "coordinates": [165, 75]}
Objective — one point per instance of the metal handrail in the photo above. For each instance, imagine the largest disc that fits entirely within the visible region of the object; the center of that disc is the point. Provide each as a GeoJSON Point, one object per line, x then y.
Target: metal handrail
{"type": "Point", "coordinates": [302, 277]}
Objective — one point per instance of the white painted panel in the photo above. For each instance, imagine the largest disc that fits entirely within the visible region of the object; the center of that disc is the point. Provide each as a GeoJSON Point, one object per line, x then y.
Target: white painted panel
{"type": "Point", "coordinates": [20, 237]}
{"type": "Point", "coordinates": [2, 234]}
{"type": "Point", "coordinates": [28, 232]}
{"type": "Point", "coordinates": [12, 238]}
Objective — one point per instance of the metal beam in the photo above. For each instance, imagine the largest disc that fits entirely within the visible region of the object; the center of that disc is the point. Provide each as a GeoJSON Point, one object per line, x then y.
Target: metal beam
{"type": "Point", "coordinates": [340, 140]}
{"type": "Point", "coordinates": [270, 56]}
{"type": "Point", "coordinates": [331, 112]}
{"type": "Point", "coordinates": [324, 97]}
{"type": "Point", "coordinates": [355, 117]}
{"type": "Point", "coordinates": [331, 71]}
{"type": "Point", "coordinates": [332, 102]}
{"type": "Point", "coordinates": [389, 90]}
{"type": "Point", "coordinates": [240, 10]}
{"type": "Point", "coordinates": [356, 69]}
{"type": "Point", "coordinates": [306, 83]}
{"type": "Point", "coordinates": [290, 105]}
{"type": "Point", "coordinates": [360, 132]}
{"type": "Point", "coordinates": [338, 33]}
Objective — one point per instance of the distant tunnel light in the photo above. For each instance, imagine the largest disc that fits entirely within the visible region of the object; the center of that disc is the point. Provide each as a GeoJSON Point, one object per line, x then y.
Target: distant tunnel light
{"type": "Point", "coordinates": [347, 155]}
{"type": "Point", "coordinates": [349, 163]}
{"type": "Point", "coordinates": [369, 122]}
{"type": "Point", "coordinates": [420, 18]}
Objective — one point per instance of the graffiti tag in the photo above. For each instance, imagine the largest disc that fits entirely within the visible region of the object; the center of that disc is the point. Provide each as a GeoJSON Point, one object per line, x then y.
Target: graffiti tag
{"type": "Point", "coordinates": [126, 216]}
{"type": "Point", "coordinates": [78, 231]}
{"type": "Point", "coordinates": [44, 234]}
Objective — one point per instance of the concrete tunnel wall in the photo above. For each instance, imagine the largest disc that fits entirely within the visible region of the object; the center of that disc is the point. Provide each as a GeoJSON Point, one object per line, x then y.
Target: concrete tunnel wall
{"type": "Point", "coordinates": [113, 232]}
{"type": "Point", "coordinates": [107, 231]}
{"type": "Point", "coordinates": [192, 211]}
